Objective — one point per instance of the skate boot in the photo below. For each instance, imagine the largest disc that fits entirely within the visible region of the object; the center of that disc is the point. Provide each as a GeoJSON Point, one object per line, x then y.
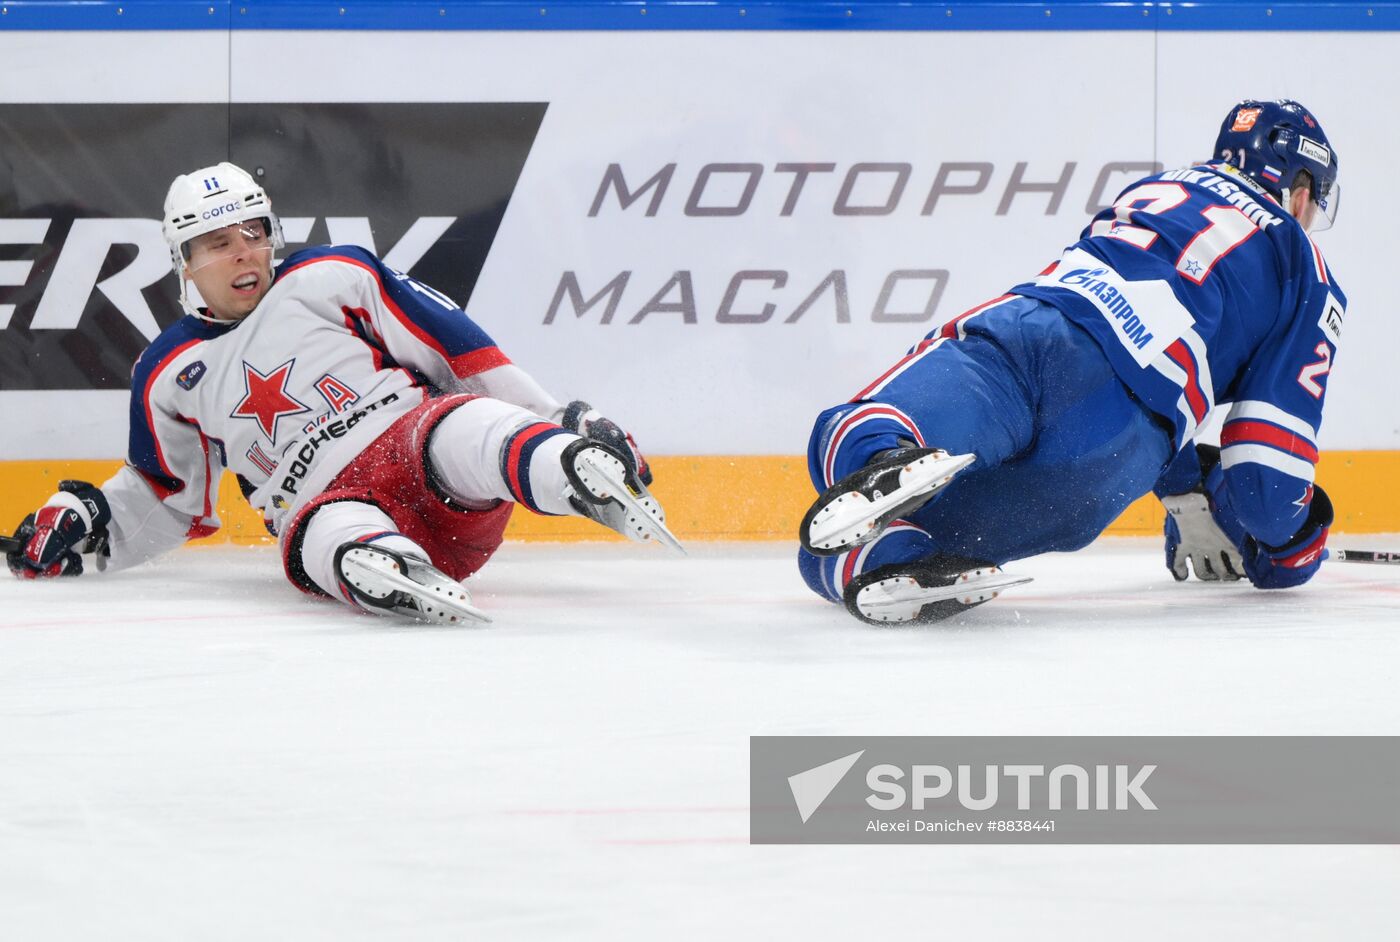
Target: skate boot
{"type": "Point", "coordinates": [605, 490]}
{"type": "Point", "coordinates": [858, 508]}
{"type": "Point", "coordinates": [390, 583]}
{"type": "Point", "coordinates": [926, 590]}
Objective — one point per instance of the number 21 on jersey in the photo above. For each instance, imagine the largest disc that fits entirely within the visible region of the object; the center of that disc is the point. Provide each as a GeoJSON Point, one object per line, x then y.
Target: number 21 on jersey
{"type": "Point", "coordinates": [1225, 229]}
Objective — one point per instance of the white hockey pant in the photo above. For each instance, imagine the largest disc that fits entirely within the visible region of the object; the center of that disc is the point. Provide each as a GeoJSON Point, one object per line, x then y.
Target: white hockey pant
{"type": "Point", "coordinates": [465, 453]}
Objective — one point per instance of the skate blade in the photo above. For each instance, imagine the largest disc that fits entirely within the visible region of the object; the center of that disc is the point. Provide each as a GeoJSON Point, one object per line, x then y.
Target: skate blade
{"type": "Point", "coordinates": [376, 567]}
{"type": "Point", "coordinates": [850, 519]}
{"type": "Point", "coordinates": [605, 479]}
{"type": "Point", "coordinates": [901, 598]}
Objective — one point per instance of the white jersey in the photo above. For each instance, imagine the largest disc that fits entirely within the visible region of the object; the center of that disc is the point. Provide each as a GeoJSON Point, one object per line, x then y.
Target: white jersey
{"type": "Point", "coordinates": [340, 348]}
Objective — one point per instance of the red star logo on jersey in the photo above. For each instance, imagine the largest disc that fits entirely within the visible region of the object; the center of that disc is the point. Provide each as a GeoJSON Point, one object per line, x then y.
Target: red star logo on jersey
{"type": "Point", "coordinates": [266, 399]}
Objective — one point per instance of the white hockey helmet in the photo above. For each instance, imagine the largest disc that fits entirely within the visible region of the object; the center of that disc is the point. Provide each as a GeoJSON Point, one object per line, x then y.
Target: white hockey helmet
{"type": "Point", "coordinates": [210, 199]}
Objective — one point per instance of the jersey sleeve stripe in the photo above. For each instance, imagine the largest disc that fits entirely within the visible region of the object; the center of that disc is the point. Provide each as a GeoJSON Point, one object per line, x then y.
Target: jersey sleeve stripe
{"type": "Point", "coordinates": [1174, 374]}
{"type": "Point", "coordinates": [1258, 409]}
{"type": "Point", "coordinates": [478, 361]}
{"type": "Point", "coordinates": [1234, 455]}
{"type": "Point", "coordinates": [1189, 425]}
{"type": "Point", "coordinates": [1255, 431]}
{"type": "Point", "coordinates": [1204, 380]}
{"type": "Point", "coordinates": [1182, 356]}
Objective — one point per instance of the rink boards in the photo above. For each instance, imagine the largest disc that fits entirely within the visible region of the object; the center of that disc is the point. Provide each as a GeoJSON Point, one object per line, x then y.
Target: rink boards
{"type": "Point", "coordinates": [712, 232]}
{"type": "Point", "coordinates": [745, 497]}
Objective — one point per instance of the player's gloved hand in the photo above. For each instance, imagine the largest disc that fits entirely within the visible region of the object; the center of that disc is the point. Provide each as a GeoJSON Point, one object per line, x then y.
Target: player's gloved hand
{"type": "Point", "coordinates": [1274, 567]}
{"type": "Point", "coordinates": [582, 419]}
{"type": "Point", "coordinates": [73, 521]}
{"type": "Point", "coordinates": [1190, 529]}
{"type": "Point", "coordinates": [1192, 534]}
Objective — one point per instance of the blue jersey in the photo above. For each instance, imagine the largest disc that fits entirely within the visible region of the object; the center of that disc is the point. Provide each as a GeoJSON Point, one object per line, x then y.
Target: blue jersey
{"type": "Point", "coordinates": [1202, 290]}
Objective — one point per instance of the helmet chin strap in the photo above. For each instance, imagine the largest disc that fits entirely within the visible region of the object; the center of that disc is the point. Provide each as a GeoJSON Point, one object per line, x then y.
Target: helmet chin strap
{"type": "Point", "coordinates": [195, 312]}
{"type": "Point", "coordinates": [188, 305]}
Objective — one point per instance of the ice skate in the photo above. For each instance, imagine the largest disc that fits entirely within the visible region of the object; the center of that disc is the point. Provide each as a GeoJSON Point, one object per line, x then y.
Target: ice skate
{"type": "Point", "coordinates": [387, 582]}
{"type": "Point", "coordinates": [925, 591]}
{"type": "Point", "coordinates": [606, 491]}
{"type": "Point", "coordinates": [857, 508]}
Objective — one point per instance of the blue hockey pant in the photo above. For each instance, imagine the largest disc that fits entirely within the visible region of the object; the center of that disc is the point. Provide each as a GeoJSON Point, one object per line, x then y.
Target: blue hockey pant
{"type": "Point", "coordinates": [1062, 447]}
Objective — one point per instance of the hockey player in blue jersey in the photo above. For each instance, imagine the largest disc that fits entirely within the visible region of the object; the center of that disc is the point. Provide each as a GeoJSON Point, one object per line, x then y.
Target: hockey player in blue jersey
{"type": "Point", "coordinates": [1027, 424]}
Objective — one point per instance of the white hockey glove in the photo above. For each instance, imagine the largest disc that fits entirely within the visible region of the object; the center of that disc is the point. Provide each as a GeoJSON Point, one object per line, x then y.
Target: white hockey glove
{"type": "Point", "coordinates": [1192, 533]}
{"type": "Point", "coordinates": [582, 419]}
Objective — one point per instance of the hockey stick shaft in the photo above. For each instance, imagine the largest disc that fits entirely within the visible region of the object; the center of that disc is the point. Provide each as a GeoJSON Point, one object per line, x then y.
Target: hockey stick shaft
{"type": "Point", "coordinates": [9, 544]}
{"type": "Point", "coordinates": [1365, 556]}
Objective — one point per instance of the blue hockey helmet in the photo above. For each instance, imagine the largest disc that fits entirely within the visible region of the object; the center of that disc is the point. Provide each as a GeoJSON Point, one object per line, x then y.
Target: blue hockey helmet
{"type": "Point", "coordinates": [1271, 142]}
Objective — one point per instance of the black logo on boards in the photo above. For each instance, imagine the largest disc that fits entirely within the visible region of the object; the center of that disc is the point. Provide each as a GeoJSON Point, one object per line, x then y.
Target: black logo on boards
{"type": "Point", "coordinates": [93, 283]}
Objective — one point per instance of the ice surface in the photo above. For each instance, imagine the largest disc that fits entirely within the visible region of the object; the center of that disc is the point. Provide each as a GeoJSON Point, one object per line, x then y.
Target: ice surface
{"type": "Point", "coordinates": [195, 751]}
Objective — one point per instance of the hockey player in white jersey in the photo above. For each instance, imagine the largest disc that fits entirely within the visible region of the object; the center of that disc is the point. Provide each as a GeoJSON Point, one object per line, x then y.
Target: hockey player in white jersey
{"type": "Point", "coordinates": [382, 434]}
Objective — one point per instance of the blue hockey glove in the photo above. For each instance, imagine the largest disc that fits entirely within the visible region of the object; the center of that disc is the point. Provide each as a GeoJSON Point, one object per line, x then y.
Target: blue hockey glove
{"type": "Point", "coordinates": [49, 540]}
{"type": "Point", "coordinates": [1295, 561]}
{"type": "Point", "coordinates": [1191, 531]}
{"type": "Point", "coordinates": [582, 419]}
{"type": "Point", "coordinates": [1275, 567]}
{"type": "Point", "coordinates": [1203, 526]}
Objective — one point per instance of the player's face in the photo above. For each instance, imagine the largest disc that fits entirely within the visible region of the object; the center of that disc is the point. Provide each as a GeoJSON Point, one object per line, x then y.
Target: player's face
{"type": "Point", "coordinates": [232, 268]}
